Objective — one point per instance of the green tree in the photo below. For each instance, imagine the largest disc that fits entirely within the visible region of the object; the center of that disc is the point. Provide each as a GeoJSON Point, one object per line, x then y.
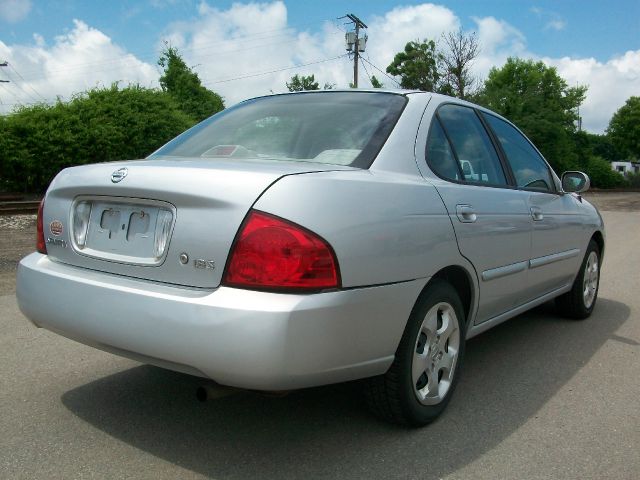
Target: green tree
{"type": "Point", "coordinates": [417, 66]}
{"type": "Point", "coordinates": [299, 83]}
{"type": "Point", "coordinates": [375, 83]}
{"type": "Point", "coordinates": [624, 128]}
{"type": "Point", "coordinates": [534, 97]}
{"type": "Point", "coordinates": [592, 144]}
{"type": "Point", "coordinates": [96, 126]}
{"type": "Point", "coordinates": [184, 85]}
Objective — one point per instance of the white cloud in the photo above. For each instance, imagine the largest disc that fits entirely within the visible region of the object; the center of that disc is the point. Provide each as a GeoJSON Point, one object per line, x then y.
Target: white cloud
{"type": "Point", "coordinates": [610, 84]}
{"type": "Point", "coordinates": [224, 44]}
{"type": "Point", "coordinates": [13, 11]}
{"type": "Point", "coordinates": [388, 34]}
{"type": "Point", "coordinates": [556, 25]}
{"type": "Point", "coordinates": [498, 41]}
{"type": "Point", "coordinates": [553, 21]}
{"type": "Point", "coordinates": [80, 59]}
{"type": "Point", "coordinates": [246, 40]}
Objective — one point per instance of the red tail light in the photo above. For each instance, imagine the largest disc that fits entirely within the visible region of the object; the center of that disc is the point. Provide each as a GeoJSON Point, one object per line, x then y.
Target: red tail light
{"type": "Point", "coordinates": [41, 244]}
{"type": "Point", "coordinates": [273, 254]}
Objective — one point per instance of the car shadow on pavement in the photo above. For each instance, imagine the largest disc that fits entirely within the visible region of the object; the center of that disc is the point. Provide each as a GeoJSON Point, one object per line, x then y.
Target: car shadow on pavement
{"type": "Point", "coordinates": [510, 372]}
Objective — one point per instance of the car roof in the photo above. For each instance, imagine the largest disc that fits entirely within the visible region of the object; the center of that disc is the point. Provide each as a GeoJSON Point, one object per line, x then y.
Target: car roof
{"type": "Point", "coordinates": [396, 91]}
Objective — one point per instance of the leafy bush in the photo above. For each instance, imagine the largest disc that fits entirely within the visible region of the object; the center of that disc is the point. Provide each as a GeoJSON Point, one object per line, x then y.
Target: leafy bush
{"type": "Point", "coordinates": [102, 124]}
{"type": "Point", "coordinates": [633, 180]}
{"type": "Point", "coordinates": [601, 174]}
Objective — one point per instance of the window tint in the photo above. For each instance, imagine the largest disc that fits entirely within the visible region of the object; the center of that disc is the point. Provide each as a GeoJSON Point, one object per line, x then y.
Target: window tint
{"type": "Point", "coordinates": [439, 155]}
{"type": "Point", "coordinates": [478, 160]}
{"type": "Point", "coordinates": [528, 167]}
{"type": "Point", "coordinates": [340, 128]}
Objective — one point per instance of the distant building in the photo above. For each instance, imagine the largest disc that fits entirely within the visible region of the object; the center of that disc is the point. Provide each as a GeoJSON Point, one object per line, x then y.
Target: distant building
{"type": "Point", "coordinates": [626, 167]}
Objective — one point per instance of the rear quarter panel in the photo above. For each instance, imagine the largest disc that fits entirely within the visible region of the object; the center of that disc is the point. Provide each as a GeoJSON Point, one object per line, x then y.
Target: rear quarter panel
{"type": "Point", "coordinates": [384, 227]}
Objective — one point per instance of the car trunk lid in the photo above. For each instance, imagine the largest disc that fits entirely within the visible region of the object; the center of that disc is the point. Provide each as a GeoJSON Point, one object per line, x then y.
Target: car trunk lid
{"type": "Point", "coordinates": [170, 220]}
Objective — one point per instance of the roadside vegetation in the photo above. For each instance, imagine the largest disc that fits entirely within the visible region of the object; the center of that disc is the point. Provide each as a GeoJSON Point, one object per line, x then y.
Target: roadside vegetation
{"type": "Point", "coordinates": [100, 125]}
{"type": "Point", "coordinates": [129, 122]}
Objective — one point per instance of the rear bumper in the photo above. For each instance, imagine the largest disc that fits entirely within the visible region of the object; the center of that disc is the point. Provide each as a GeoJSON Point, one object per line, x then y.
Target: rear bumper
{"type": "Point", "coordinates": [241, 338]}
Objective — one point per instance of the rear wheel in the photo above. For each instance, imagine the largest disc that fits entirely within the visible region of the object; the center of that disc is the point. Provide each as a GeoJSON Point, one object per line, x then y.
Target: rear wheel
{"type": "Point", "coordinates": [579, 302]}
{"type": "Point", "coordinates": [421, 380]}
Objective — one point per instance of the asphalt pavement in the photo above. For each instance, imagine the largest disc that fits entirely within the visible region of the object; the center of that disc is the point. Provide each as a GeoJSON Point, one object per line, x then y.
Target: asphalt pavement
{"type": "Point", "coordinates": [539, 397]}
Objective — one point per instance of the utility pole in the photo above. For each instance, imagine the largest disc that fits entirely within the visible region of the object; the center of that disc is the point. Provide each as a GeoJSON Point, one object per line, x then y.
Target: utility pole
{"type": "Point", "coordinates": [4, 64]}
{"type": "Point", "coordinates": [578, 114]}
{"type": "Point", "coordinates": [355, 44]}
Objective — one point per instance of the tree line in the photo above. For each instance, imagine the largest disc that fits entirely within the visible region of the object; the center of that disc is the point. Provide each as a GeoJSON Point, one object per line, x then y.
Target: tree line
{"type": "Point", "coordinates": [114, 123]}
{"type": "Point", "coordinates": [530, 94]}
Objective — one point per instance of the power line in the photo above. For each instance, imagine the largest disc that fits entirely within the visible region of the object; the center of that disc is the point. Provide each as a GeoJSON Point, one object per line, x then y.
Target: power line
{"type": "Point", "coordinates": [12, 94]}
{"type": "Point", "coordinates": [384, 73]}
{"type": "Point", "coordinates": [257, 74]}
{"type": "Point", "coordinates": [256, 36]}
{"type": "Point", "coordinates": [28, 84]}
{"type": "Point", "coordinates": [131, 59]}
{"type": "Point", "coordinates": [3, 64]}
{"type": "Point", "coordinates": [366, 71]}
{"type": "Point", "coordinates": [274, 71]}
{"type": "Point", "coordinates": [31, 96]}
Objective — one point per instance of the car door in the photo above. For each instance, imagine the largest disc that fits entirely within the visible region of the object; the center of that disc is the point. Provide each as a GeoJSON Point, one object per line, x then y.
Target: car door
{"type": "Point", "coordinates": [555, 220]}
{"type": "Point", "coordinates": [490, 218]}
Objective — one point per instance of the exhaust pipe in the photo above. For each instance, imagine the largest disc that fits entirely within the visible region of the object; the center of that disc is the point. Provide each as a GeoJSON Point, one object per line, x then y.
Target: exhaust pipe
{"type": "Point", "coordinates": [273, 393]}
{"type": "Point", "coordinates": [212, 392]}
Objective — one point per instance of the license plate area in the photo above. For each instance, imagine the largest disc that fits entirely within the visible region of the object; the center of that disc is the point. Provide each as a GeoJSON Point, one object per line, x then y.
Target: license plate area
{"type": "Point", "coordinates": [133, 231]}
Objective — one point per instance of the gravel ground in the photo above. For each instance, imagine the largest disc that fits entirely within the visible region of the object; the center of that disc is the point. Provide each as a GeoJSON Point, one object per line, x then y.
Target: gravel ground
{"type": "Point", "coordinates": [17, 239]}
{"type": "Point", "coordinates": [615, 201]}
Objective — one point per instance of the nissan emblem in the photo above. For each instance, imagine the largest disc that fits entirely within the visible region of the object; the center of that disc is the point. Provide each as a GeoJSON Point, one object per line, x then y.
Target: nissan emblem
{"type": "Point", "coordinates": [119, 175]}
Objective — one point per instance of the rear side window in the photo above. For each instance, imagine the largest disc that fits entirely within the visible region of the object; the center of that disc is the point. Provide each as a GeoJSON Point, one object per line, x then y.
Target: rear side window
{"type": "Point", "coordinates": [476, 157]}
{"type": "Point", "coordinates": [529, 169]}
{"type": "Point", "coordinates": [439, 154]}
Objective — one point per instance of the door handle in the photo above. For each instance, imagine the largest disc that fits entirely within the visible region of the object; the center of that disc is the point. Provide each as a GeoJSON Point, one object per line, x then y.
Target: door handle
{"type": "Point", "coordinates": [536, 214]}
{"type": "Point", "coordinates": [466, 213]}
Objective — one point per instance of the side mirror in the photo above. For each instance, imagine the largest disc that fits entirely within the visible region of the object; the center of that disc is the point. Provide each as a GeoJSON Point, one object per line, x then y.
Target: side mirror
{"type": "Point", "coordinates": [575, 182]}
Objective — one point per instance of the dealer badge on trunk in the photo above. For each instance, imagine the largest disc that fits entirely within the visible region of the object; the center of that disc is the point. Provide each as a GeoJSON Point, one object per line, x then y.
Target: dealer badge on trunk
{"type": "Point", "coordinates": [56, 228]}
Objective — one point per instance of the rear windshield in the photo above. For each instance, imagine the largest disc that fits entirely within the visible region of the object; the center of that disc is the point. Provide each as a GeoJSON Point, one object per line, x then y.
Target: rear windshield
{"type": "Point", "coordinates": [339, 128]}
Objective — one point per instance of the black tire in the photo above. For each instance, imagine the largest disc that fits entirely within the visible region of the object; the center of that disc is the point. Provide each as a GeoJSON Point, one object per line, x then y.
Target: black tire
{"type": "Point", "coordinates": [573, 303]}
{"type": "Point", "coordinates": [392, 396]}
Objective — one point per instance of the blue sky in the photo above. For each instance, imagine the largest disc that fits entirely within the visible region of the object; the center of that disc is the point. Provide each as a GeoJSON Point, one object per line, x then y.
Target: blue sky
{"type": "Point", "coordinates": [56, 48]}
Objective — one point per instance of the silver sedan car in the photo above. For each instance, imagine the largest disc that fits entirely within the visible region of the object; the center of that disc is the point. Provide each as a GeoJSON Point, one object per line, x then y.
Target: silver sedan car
{"type": "Point", "coordinates": [305, 239]}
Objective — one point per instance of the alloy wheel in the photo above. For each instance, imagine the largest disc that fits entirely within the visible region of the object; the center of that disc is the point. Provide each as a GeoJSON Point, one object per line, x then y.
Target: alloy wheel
{"type": "Point", "coordinates": [435, 354]}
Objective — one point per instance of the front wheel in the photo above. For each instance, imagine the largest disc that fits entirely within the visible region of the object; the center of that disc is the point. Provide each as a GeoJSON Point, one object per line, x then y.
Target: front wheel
{"type": "Point", "coordinates": [419, 384]}
{"type": "Point", "coordinates": [578, 303]}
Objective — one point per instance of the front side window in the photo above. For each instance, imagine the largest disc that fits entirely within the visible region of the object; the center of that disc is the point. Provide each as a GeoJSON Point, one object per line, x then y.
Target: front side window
{"type": "Point", "coordinates": [529, 169]}
{"type": "Point", "coordinates": [476, 156]}
{"type": "Point", "coordinates": [340, 128]}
